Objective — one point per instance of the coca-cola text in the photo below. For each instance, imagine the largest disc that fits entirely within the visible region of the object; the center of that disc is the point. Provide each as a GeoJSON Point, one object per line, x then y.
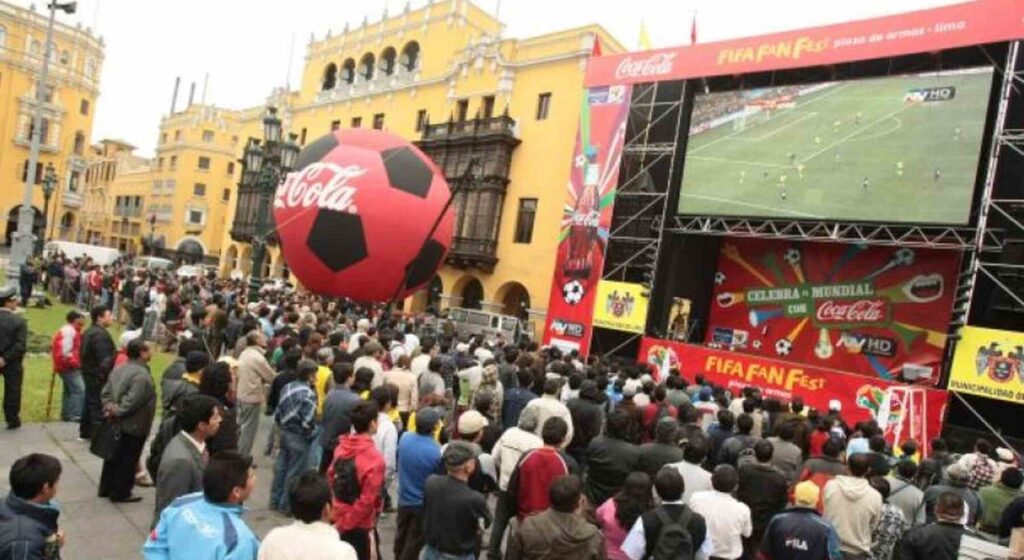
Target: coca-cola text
{"type": "Point", "coordinates": [655, 65]}
{"type": "Point", "coordinates": [860, 311]}
{"type": "Point", "coordinates": [323, 185]}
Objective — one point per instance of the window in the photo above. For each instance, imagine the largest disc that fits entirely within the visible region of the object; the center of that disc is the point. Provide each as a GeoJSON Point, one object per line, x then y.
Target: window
{"type": "Point", "coordinates": [73, 181]}
{"type": "Point", "coordinates": [84, 107]}
{"type": "Point", "coordinates": [378, 121]}
{"type": "Point", "coordinates": [410, 59]}
{"type": "Point", "coordinates": [226, 195]}
{"type": "Point", "coordinates": [39, 172]}
{"type": "Point", "coordinates": [48, 92]}
{"type": "Point", "coordinates": [488, 106]}
{"type": "Point", "coordinates": [160, 163]}
{"type": "Point", "coordinates": [387, 61]}
{"type": "Point", "coordinates": [44, 129]}
{"type": "Point", "coordinates": [348, 71]}
{"type": "Point", "coordinates": [163, 138]}
{"type": "Point", "coordinates": [204, 163]}
{"type": "Point", "coordinates": [302, 137]}
{"type": "Point", "coordinates": [357, 122]}
{"type": "Point", "coordinates": [366, 66]}
{"type": "Point", "coordinates": [543, 106]}
{"type": "Point", "coordinates": [195, 217]}
{"type": "Point", "coordinates": [335, 125]}
{"type": "Point", "coordinates": [79, 143]}
{"type": "Point", "coordinates": [421, 120]}
{"type": "Point", "coordinates": [207, 136]}
{"type": "Point", "coordinates": [330, 77]}
{"type": "Point", "coordinates": [174, 162]}
{"type": "Point", "coordinates": [199, 189]}
{"type": "Point", "coordinates": [65, 58]}
{"type": "Point", "coordinates": [461, 110]}
{"type": "Point", "coordinates": [524, 220]}
{"type": "Point", "coordinates": [177, 136]}
{"type": "Point", "coordinates": [231, 168]}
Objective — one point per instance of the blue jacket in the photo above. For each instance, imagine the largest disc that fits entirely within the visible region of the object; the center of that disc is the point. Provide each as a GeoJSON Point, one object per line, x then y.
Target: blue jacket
{"type": "Point", "coordinates": [192, 528]}
{"type": "Point", "coordinates": [799, 533]}
{"type": "Point", "coordinates": [418, 458]}
{"type": "Point", "coordinates": [24, 529]}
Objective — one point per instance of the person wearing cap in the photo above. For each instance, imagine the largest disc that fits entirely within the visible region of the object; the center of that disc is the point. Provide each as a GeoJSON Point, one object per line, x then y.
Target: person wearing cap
{"type": "Point", "coordinates": [454, 515]}
{"type": "Point", "coordinates": [13, 345]}
{"type": "Point", "coordinates": [957, 481]}
{"type": "Point", "coordinates": [419, 456]}
{"type": "Point", "coordinates": [800, 532]}
{"type": "Point", "coordinates": [940, 539]}
{"type": "Point", "coordinates": [97, 353]}
{"type": "Point", "coordinates": [66, 351]}
{"type": "Point", "coordinates": [470, 429]}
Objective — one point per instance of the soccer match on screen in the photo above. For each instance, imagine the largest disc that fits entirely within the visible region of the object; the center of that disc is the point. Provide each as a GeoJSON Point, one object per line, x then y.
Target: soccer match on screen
{"type": "Point", "coordinates": [901, 148]}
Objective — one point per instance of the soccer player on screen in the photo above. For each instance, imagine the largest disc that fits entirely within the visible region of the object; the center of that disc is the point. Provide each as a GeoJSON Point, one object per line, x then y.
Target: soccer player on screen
{"type": "Point", "coordinates": [743, 176]}
{"type": "Point", "coordinates": [899, 168]}
{"type": "Point", "coordinates": [836, 158]}
{"type": "Point", "coordinates": [864, 184]}
{"type": "Point", "coordinates": [792, 158]}
{"type": "Point", "coordinates": [800, 170]}
{"type": "Point", "coordinates": [956, 133]}
{"type": "Point", "coordinates": [937, 175]}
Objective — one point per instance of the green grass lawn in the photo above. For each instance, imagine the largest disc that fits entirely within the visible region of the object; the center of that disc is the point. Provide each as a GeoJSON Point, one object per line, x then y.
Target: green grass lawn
{"type": "Point", "coordinates": [42, 323]}
{"type": "Point", "coordinates": [811, 160]}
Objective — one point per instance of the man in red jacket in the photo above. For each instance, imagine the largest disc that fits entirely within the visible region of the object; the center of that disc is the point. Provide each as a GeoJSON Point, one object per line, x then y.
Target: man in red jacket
{"type": "Point", "coordinates": [357, 476]}
{"type": "Point", "coordinates": [65, 348]}
{"type": "Point", "coordinates": [538, 468]}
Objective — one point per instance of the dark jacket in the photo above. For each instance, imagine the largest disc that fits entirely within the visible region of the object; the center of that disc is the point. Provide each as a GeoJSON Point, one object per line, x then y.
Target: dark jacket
{"type": "Point", "coordinates": [181, 472]}
{"type": "Point", "coordinates": [932, 493]}
{"type": "Point", "coordinates": [652, 526]}
{"type": "Point", "coordinates": [226, 438]}
{"type": "Point", "coordinates": [716, 437]}
{"type": "Point", "coordinates": [98, 353]}
{"type": "Point", "coordinates": [587, 418]}
{"type": "Point", "coordinates": [636, 419]}
{"type": "Point", "coordinates": [935, 541]}
{"type": "Point", "coordinates": [169, 380]}
{"type": "Point", "coordinates": [765, 490]}
{"type": "Point", "coordinates": [731, 448]}
{"type": "Point", "coordinates": [554, 535]}
{"type": "Point", "coordinates": [514, 403]}
{"type": "Point", "coordinates": [132, 392]}
{"type": "Point", "coordinates": [337, 406]}
{"type": "Point", "coordinates": [25, 528]}
{"type": "Point", "coordinates": [609, 462]}
{"type": "Point", "coordinates": [655, 455]}
{"type": "Point", "coordinates": [799, 533]}
{"type": "Point", "coordinates": [13, 339]}
{"type": "Point", "coordinates": [1012, 517]}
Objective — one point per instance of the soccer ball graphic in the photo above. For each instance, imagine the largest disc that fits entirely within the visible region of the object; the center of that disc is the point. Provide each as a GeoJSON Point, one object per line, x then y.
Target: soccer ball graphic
{"type": "Point", "coordinates": [719, 278]}
{"type": "Point", "coordinates": [783, 346]}
{"type": "Point", "coordinates": [757, 345]}
{"type": "Point", "coordinates": [792, 256]}
{"type": "Point", "coordinates": [573, 292]}
{"type": "Point", "coordinates": [354, 214]}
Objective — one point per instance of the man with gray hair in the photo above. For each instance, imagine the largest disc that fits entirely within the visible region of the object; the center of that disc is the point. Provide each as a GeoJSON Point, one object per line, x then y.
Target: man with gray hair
{"type": "Point", "coordinates": [254, 375]}
{"type": "Point", "coordinates": [509, 448]}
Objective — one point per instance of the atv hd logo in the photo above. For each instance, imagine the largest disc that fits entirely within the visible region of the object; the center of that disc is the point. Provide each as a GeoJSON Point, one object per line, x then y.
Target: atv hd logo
{"type": "Point", "coordinates": [561, 327]}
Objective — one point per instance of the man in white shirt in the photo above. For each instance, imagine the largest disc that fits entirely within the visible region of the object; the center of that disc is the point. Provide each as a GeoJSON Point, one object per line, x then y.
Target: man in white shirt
{"type": "Point", "coordinates": [311, 536]}
{"type": "Point", "coordinates": [411, 341]}
{"type": "Point", "coordinates": [695, 478]}
{"type": "Point", "coordinates": [362, 326]}
{"type": "Point", "coordinates": [727, 518]}
{"type": "Point", "coordinates": [421, 362]}
{"type": "Point", "coordinates": [372, 359]}
{"type": "Point", "coordinates": [548, 405]}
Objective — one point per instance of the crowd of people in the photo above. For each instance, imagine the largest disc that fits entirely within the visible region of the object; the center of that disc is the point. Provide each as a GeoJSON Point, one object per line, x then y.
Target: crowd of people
{"type": "Point", "coordinates": [478, 448]}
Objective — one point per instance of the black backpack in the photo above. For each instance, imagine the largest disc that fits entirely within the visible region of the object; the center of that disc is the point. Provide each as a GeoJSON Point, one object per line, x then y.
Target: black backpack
{"type": "Point", "coordinates": [674, 541]}
{"type": "Point", "coordinates": [346, 480]}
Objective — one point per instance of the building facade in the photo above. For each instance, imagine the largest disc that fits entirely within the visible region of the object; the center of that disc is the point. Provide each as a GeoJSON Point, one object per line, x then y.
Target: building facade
{"type": "Point", "coordinates": [444, 77]}
{"type": "Point", "coordinates": [68, 107]}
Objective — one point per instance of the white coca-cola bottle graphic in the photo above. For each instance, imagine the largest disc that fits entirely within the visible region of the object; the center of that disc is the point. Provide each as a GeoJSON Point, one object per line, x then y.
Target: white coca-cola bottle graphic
{"type": "Point", "coordinates": [585, 221]}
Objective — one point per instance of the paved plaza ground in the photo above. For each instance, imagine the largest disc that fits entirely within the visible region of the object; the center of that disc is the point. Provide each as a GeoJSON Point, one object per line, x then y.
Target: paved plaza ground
{"type": "Point", "coordinates": [99, 530]}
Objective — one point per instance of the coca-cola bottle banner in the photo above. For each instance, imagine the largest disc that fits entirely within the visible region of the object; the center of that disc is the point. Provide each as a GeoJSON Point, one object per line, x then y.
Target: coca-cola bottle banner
{"type": "Point", "coordinates": [879, 311]}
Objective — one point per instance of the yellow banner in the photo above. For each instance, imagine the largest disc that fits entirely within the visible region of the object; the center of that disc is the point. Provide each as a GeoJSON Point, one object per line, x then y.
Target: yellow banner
{"type": "Point", "coordinates": [987, 363]}
{"type": "Point", "coordinates": [620, 306]}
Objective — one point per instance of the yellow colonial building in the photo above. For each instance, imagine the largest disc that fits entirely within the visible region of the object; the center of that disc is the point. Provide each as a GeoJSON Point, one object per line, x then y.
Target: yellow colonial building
{"type": "Point", "coordinates": [445, 77]}
{"type": "Point", "coordinates": [68, 108]}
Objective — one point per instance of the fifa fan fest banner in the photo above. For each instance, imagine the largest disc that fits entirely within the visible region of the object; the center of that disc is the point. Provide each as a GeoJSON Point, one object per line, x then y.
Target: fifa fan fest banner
{"type": "Point", "coordinates": [988, 363]}
{"type": "Point", "coordinates": [877, 311]}
{"type": "Point", "coordinates": [902, 411]}
{"type": "Point", "coordinates": [621, 306]}
{"type": "Point", "coordinates": [958, 25]}
{"type": "Point", "coordinates": [587, 216]}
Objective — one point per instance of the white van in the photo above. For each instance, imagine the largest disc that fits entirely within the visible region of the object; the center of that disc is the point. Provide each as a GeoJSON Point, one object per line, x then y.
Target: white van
{"type": "Point", "coordinates": [100, 255]}
{"type": "Point", "coordinates": [152, 263]}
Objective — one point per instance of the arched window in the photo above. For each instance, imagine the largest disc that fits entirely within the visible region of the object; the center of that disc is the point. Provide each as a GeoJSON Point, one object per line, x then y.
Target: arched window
{"type": "Point", "coordinates": [387, 61]}
{"type": "Point", "coordinates": [366, 65]}
{"type": "Point", "coordinates": [348, 71]}
{"type": "Point", "coordinates": [410, 60]}
{"type": "Point", "coordinates": [330, 77]}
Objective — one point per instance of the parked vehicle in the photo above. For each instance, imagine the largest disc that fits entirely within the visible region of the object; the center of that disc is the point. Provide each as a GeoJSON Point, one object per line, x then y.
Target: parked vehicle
{"type": "Point", "coordinates": [474, 322]}
{"type": "Point", "coordinates": [100, 255]}
{"type": "Point", "coordinates": [152, 263]}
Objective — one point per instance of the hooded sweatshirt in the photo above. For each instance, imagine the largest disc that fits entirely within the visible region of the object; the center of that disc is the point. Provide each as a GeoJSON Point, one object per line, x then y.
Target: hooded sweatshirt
{"type": "Point", "coordinates": [853, 506]}
{"type": "Point", "coordinates": [361, 514]}
{"type": "Point", "coordinates": [554, 535]}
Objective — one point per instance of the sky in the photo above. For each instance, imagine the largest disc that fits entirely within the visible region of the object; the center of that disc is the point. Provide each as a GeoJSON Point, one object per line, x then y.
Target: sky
{"type": "Point", "coordinates": [246, 46]}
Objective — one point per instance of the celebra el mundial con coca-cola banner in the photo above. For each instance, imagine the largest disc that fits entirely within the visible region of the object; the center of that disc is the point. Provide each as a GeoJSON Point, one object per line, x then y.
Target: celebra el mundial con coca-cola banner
{"type": "Point", "coordinates": [879, 311]}
{"type": "Point", "coordinates": [586, 217]}
{"type": "Point", "coordinates": [355, 216]}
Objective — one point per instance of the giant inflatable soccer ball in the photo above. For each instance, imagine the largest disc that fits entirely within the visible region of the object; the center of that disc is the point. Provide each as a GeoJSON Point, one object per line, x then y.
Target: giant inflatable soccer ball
{"type": "Point", "coordinates": [356, 212]}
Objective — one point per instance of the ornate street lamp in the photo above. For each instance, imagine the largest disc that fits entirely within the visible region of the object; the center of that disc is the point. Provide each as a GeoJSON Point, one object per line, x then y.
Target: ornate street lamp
{"type": "Point", "coordinates": [266, 165]}
{"type": "Point", "coordinates": [49, 186]}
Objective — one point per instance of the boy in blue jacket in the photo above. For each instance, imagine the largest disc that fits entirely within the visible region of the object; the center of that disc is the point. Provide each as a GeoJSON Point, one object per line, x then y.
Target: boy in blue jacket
{"type": "Point", "coordinates": [28, 516]}
{"type": "Point", "coordinates": [209, 525]}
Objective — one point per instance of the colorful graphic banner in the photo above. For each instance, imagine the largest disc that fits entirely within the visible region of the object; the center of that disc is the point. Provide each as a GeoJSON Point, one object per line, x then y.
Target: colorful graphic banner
{"type": "Point", "coordinates": [879, 311]}
{"type": "Point", "coordinates": [621, 306]}
{"type": "Point", "coordinates": [587, 216]}
{"type": "Point", "coordinates": [903, 411]}
{"type": "Point", "coordinates": [988, 363]}
{"type": "Point", "coordinates": [958, 25]}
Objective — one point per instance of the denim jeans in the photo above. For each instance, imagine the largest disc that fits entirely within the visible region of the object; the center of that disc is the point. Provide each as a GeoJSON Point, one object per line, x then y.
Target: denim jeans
{"type": "Point", "coordinates": [74, 395]}
{"type": "Point", "coordinates": [292, 460]}
{"type": "Point", "coordinates": [431, 553]}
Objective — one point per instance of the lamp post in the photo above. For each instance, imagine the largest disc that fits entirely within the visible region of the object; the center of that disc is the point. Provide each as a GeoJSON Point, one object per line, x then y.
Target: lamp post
{"type": "Point", "coordinates": [49, 185]}
{"type": "Point", "coordinates": [21, 248]}
{"type": "Point", "coordinates": [266, 166]}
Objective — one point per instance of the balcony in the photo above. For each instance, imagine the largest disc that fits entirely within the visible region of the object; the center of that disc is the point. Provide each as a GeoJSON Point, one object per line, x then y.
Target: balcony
{"type": "Point", "coordinates": [71, 199]}
{"type": "Point", "coordinates": [493, 128]}
{"type": "Point", "coordinates": [470, 252]}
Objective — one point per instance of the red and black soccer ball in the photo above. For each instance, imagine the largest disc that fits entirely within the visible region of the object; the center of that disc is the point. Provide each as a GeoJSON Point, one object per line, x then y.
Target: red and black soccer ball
{"type": "Point", "coordinates": [357, 210]}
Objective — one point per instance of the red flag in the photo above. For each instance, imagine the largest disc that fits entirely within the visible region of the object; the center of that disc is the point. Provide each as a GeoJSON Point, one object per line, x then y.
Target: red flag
{"type": "Point", "coordinates": [693, 29]}
{"type": "Point", "coordinates": [596, 51]}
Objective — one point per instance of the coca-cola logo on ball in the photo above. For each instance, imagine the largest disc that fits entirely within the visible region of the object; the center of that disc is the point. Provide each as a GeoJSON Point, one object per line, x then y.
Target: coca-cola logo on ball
{"type": "Point", "coordinates": [655, 65]}
{"type": "Point", "coordinates": [852, 312]}
{"type": "Point", "coordinates": [323, 185]}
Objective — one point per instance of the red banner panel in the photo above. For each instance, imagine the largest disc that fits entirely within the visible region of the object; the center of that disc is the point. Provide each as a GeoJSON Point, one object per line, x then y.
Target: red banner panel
{"type": "Point", "coordinates": [903, 411]}
{"type": "Point", "coordinates": [878, 311]}
{"type": "Point", "coordinates": [587, 215]}
{"type": "Point", "coordinates": [958, 25]}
